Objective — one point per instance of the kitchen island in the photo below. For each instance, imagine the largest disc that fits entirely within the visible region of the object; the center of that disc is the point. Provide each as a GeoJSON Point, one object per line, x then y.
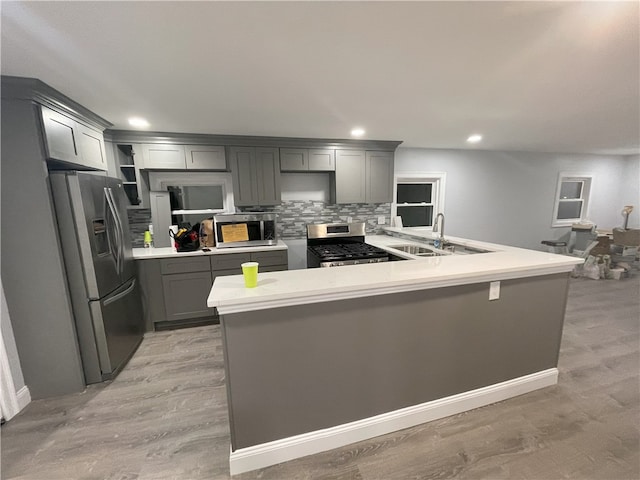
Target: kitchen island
{"type": "Point", "coordinates": [320, 358]}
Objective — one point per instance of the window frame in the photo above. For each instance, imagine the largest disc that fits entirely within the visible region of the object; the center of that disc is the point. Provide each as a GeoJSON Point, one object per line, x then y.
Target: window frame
{"type": "Point", "coordinates": [585, 195]}
{"type": "Point", "coordinates": [437, 179]}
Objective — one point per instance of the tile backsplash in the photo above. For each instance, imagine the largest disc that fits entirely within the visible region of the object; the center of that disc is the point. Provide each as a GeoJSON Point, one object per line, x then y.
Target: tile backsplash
{"type": "Point", "coordinates": [293, 216]}
{"type": "Point", "coordinates": [139, 220]}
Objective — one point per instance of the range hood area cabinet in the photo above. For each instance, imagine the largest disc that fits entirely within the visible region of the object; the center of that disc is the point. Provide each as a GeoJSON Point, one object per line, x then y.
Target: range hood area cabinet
{"type": "Point", "coordinates": [256, 175]}
{"type": "Point", "coordinates": [71, 142]}
{"type": "Point", "coordinates": [168, 156]}
{"type": "Point", "coordinates": [307, 160]}
{"type": "Point", "coordinates": [364, 176]}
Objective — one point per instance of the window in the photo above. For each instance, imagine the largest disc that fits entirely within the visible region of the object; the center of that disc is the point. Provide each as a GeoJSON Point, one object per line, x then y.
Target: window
{"type": "Point", "coordinates": [418, 198]}
{"type": "Point", "coordinates": [572, 199]}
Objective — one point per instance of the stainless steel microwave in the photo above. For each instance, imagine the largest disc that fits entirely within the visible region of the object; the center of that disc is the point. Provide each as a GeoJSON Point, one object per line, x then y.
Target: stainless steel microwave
{"type": "Point", "coordinates": [247, 229]}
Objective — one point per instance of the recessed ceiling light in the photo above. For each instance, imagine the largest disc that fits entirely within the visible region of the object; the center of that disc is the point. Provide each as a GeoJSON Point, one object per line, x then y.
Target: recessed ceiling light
{"type": "Point", "coordinates": [138, 122]}
{"type": "Point", "coordinates": [475, 138]}
{"type": "Point", "coordinates": [357, 132]}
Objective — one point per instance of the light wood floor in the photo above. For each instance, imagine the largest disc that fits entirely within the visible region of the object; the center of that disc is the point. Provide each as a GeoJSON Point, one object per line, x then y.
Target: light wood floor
{"type": "Point", "coordinates": [165, 417]}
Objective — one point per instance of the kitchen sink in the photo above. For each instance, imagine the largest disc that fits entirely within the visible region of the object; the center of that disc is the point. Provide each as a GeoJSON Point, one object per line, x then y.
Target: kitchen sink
{"type": "Point", "coordinates": [416, 250]}
{"type": "Point", "coordinates": [464, 250]}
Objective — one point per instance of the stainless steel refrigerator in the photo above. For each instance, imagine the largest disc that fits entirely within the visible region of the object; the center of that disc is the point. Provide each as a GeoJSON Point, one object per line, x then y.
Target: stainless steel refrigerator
{"type": "Point", "coordinates": [101, 273]}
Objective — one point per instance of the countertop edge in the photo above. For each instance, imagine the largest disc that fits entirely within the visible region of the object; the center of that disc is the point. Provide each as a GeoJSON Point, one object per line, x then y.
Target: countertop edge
{"type": "Point", "coordinates": [170, 252]}
{"type": "Point", "coordinates": [292, 299]}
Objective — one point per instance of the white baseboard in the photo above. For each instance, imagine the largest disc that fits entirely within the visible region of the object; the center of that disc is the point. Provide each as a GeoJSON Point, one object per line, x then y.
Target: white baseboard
{"type": "Point", "coordinates": [278, 451]}
{"type": "Point", "coordinates": [24, 397]}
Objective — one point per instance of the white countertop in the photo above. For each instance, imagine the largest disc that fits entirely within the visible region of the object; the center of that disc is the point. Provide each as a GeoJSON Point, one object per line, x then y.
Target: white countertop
{"type": "Point", "coordinates": [168, 252]}
{"type": "Point", "coordinates": [298, 287]}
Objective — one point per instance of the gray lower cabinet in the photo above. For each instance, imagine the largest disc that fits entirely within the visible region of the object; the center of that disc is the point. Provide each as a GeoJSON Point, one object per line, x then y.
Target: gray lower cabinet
{"type": "Point", "coordinates": [364, 176]}
{"type": "Point", "coordinates": [175, 290]}
{"type": "Point", "coordinates": [69, 141]}
{"type": "Point", "coordinates": [185, 295]}
{"type": "Point", "coordinates": [256, 175]}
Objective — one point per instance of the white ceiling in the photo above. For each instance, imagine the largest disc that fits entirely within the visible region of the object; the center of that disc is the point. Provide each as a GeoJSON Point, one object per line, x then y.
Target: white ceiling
{"type": "Point", "coordinates": [530, 76]}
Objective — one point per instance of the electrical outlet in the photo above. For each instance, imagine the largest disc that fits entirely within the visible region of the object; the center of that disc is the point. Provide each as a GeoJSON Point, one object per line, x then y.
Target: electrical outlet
{"type": "Point", "coordinates": [494, 290]}
{"type": "Point", "coordinates": [381, 220]}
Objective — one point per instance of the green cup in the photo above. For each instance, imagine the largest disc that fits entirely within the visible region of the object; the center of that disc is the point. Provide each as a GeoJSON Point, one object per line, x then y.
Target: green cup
{"type": "Point", "coordinates": [250, 272]}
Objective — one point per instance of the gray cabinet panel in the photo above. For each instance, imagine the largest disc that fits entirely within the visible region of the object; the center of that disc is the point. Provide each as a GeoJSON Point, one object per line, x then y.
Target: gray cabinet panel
{"type": "Point", "coordinates": [294, 159]}
{"type": "Point", "coordinates": [268, 175]}
{"type": "Point", "coordinates": [163, 156]}
{"type": "Point", "coordinates": [184, 265]}
{"type": "Point", "coordinates": [91, 147]}
{"type": "Point", "coordinates": [160, 218]}
{"type": "Point", "coordinates": [350, 176]}
{"type": "Point", "coordinates": [379, 176]}
{"type": "Point", "coordinates": [205, 157]}
{"type": "Point", "coordinates": [242, 163]}
{"type": "Point", "coordinates": [229, 261]}
{"type": "Point", "coordinates": [256, 175]}
{"type": "Point", "coordinates": [364, 177]}
{"type": "Point", "coordinates": [152, 295]}
{"type": "Point", "coordinates": [185, 295]}
{"type": "Point", "coordinates": [60, 136]}
{"type": "Point", "coordinates": [322, 160]}
{"type": "Point", "coordinates": [304, 160]}
{"type": "Point", "coordinates": [69, 141]}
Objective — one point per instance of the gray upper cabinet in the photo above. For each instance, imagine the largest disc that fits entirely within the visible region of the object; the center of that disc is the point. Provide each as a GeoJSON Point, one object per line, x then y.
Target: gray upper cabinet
{"type": "Point", "coordinates": [305, 160]}
{"type": "Point", "coordinates": [205, 157]}
{"type": "Point", "coordinates": [163, 156]}
{"type": "Point", "coordinates": [350, 176]}
{"type": "Point", "coordinates": [364, 177]}
{"type": "Point", "coordinates": [322, 160]}
{"type": "Point", "coordinates": [256, 175]}
{"type": "Point", "coordinates": [91, 147]}
{"type": "Point", "coordinates": [171, 156]}
{"type": "Point", "coordinates": [294, 159]}
{"type": "Point", "coordinates": [379, 177]}
{"type": "Point", "coordinates": [69, 141]}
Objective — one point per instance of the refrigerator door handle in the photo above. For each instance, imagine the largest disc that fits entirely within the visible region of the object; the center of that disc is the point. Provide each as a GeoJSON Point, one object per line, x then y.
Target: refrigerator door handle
{"type": "Point", "coordinates": [116, 227]}
{"type": "Point", "coordinates": [121, 294]}
{"type": "Point", "coordinates": [120, 231]}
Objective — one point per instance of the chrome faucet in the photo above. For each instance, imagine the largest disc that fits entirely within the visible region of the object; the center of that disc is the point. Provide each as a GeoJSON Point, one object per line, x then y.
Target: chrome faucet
{"type": "Point", "coordinates": [440, 241]}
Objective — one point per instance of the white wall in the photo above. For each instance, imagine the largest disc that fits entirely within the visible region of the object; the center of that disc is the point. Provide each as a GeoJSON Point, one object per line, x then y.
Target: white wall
{"type": "Point", "coordinates": [508, 197]}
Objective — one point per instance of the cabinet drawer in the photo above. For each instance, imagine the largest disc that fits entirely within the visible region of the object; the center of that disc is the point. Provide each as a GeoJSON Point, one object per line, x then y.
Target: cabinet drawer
{"type": "Point", "coordinates": [229, 261]}
{"type": "Point", "coordinates": [277, 257]}
{"type": "Point", "coordinates": [184, 265]}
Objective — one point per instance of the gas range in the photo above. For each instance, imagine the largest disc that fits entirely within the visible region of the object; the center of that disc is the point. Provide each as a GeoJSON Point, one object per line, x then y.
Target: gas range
{"type": "Point", "coordinates": [337, 244]}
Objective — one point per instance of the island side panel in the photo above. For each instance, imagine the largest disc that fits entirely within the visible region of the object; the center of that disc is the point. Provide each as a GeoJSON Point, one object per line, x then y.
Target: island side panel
{"type": "Point", "coordinates": [298, 369]}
